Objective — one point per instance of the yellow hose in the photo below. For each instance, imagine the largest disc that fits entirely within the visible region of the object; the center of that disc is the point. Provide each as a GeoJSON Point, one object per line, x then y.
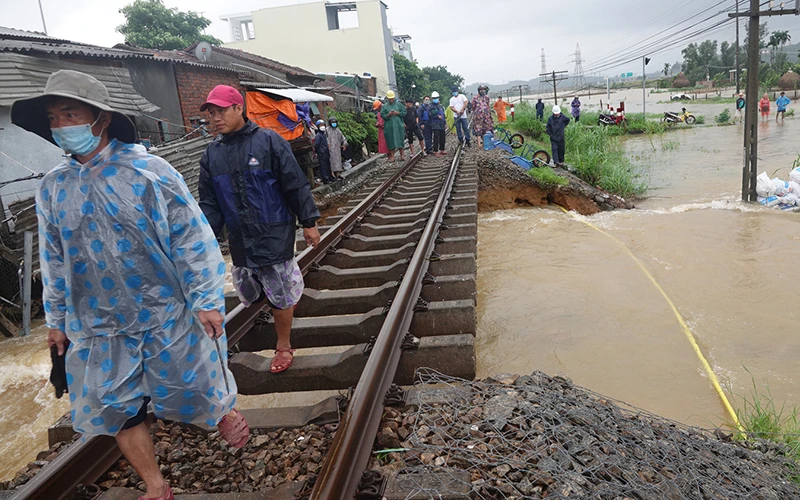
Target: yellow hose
{"type": "Point", "coordinates": [686, 330]}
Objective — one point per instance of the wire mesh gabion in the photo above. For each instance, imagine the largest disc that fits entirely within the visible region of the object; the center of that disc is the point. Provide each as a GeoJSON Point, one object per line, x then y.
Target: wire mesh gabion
{"type": "Point", "coordinates": [537, 436]}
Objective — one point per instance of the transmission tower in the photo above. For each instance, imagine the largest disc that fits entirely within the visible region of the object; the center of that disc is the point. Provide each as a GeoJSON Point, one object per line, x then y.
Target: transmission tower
{"type": "Point", "coordinates": [579, 80]}
{"type": "Point", "coordinates": [543, 86]}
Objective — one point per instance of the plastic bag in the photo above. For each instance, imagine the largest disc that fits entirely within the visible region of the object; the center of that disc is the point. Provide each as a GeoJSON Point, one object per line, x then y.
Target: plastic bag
{"type": "Point", "coordinates": [764, 186]}
{"type": "Point", "coordinates": [781, 187]}
{"type": "Point", "coordinates": [795, 175]}
{"type": "Point", "coordinates": [769, 201]}
{"type": "Point", "coordinates": [794, 187]}
{"type": "Point", "coordinates": [789, 199]}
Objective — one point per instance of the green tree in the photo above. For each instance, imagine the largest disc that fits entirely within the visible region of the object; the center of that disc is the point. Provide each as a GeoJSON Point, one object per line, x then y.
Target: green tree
{"type": "Point", "coordinates": [778, 39]}
{"type": "Point", "coordinates": [666, 69]}
{"type": "Point", "coordinates": [698, 60]}
{"type": "Point", "coordinates": [150, 24]}
{"type": "Point", "coordinates": [411, 81]}
{"type": "Point", "coordinates": [441, 80]}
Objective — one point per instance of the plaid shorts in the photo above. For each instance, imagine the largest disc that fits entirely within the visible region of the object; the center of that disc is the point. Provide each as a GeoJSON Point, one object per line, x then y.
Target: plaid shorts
{"type": "Point", "coordinates": [281, 283]}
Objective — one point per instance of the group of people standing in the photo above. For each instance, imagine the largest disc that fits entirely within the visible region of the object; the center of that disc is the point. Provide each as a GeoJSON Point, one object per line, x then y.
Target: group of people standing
{"type": "Point", "coordinates": [764, 105]}
{"type": "Point", "coordinates": [329, 146]}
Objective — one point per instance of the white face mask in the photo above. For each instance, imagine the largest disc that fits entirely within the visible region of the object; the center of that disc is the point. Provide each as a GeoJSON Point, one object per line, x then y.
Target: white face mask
{"type": "Point", "coordinates": [323, 128]}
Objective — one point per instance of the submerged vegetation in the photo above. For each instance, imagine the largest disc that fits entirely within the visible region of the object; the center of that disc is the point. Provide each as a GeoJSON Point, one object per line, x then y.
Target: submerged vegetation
{"type": "Point", "coordinates": [595, 152]}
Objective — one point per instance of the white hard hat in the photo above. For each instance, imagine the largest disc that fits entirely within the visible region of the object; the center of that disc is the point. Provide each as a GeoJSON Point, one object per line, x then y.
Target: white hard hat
{"type": "Point", "coordinates": [556, 110]}
{"type": "Point", "coordinates": [435, 95]}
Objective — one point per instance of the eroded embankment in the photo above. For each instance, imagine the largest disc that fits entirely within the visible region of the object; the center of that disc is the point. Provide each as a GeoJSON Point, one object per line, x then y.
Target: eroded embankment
{"type": "Point", "coordinates": [503, 185]}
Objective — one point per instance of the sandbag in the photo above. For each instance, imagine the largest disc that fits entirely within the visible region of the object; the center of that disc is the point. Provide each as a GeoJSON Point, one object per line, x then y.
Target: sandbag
{"type": "Point", "coordinates": [781, 186]}
{"type": "Point", "coordinates": [764, 186]}
{"type": "Point", "coordinates": [789, 199]}
{"type": "Point", "coordinates": [794, 187]}
{"type": "Point", "coordinates": [769, 201]}
{"type": "Point", "coordinates": [795, 175]}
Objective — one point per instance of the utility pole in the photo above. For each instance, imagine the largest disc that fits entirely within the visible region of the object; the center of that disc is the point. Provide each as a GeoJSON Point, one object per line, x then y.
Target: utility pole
{"type": "Point", "coordinates": [645, 60]}
{"type": "Point", "coordinates": [554, 78]}
{"type": "Point", "coordinates": [738, 65]}
{"type": "Point", "coordinates": [41, 11]}
{"type": "Point", "coordinates": [750, 169]}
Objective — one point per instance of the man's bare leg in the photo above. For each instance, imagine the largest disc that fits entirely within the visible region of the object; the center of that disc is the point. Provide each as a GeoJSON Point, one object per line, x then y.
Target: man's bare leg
{"type": "Point", "coordinates": [137, 447]}
{"type": "Point", "coordinates": [422, 146]}
{"type": "Point", "coordinates": [283, 329]}
{"type": "Point", "coordinates": [411, 148]}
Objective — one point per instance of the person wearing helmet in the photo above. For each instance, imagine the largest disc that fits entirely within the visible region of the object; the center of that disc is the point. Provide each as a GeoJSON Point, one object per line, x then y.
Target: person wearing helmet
{"type": "Point", "coordinates": [556, 125]}
{"type": "Point", "coordinates": [482, 122]}
{"type": "Point", "coordinates": [382, 147]}
{"type": "Point", "coordinates": [459, 104]}
{"type": "Point", "coordinates": [323, 152]}
{"type": "Point", "coordinates": [394, 128]}
{"type": "Point", "coordinates": [337, 143]}
{"type": "Point", "coordinates": [438, 125]}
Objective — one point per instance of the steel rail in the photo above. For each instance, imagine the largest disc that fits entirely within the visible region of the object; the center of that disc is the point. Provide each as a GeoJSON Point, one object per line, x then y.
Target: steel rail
{"type": "Point", "coordinates": [351, 449]}
{"type": "Point", "coordinates": [86, 460]}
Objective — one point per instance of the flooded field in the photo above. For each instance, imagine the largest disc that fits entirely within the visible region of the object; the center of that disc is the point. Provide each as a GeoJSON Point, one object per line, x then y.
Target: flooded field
{"type": "Point", "coordinates": [559, 296]}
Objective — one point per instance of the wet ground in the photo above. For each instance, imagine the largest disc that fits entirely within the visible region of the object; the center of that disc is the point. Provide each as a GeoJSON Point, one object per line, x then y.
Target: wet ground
{"type": "Point", "coordinates": [556, 295]}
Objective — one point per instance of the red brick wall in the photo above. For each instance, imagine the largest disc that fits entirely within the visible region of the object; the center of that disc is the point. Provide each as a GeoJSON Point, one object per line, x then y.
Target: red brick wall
{"type": "Point", "coordinates": [194, 84]}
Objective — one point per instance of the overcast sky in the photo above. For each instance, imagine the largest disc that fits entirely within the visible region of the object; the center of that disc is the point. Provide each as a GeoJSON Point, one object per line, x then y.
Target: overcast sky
{"type": "Point", "coordinates": [494, 41]}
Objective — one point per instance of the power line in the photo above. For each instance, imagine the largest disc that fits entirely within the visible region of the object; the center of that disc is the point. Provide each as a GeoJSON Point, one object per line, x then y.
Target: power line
{"type": "Point", "coordinates": [638, 49]}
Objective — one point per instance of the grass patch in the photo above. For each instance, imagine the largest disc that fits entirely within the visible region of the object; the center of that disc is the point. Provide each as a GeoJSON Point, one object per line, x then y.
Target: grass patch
{"type": "Point", "coordinates": [545, 177]}
{"type": "Point", "coordinates": [723, 117]}
{"type": "Point", "coordinates": [710, 100]}
{"type": "Point", "coordinates": [701, 120]}
{"type": "Point", "coordinates": [600, 160]}
{"type": "Point", "coordinates": [595, 151]}
{"type": "Point", "coordinates": [670, 145]}
{"type": "Point", "coordinates": [764, 418]}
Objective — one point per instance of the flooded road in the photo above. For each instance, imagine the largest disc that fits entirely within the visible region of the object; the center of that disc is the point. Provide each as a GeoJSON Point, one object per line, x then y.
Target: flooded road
{"type": "Point", "coordinates": [559, 296]}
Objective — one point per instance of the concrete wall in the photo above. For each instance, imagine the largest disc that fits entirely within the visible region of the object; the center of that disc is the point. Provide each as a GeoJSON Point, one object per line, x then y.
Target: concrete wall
{"type": "Point", "coordinates": [29, 149]}
{"type": "Point", "coordinates": [299, 35]}
{"type": "Point", "coordinates": [155, 81]}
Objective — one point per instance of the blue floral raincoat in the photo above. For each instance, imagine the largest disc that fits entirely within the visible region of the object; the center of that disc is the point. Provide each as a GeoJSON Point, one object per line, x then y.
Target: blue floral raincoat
{"type": "Point", "coordinates": [127, 260]}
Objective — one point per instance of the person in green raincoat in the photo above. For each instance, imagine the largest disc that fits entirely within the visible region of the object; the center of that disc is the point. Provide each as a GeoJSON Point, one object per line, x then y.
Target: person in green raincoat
{"type": "Point", "coordinates": [394, 130]}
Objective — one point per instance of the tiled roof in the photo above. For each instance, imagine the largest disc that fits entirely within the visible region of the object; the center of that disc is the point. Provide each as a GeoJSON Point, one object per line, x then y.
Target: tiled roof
{"type": "Point", "coordinates": [259, 60]}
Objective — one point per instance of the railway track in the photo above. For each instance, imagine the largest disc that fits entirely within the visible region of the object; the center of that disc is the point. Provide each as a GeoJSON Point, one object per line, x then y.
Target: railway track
{"type": "Point", "coordinates": [391, 287]}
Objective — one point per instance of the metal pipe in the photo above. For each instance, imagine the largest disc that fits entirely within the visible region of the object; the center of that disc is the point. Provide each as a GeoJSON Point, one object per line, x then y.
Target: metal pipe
{"type": "Point", "coordinates": [352, 446]}
{"type": "Point", "coordinates": [26, 282]}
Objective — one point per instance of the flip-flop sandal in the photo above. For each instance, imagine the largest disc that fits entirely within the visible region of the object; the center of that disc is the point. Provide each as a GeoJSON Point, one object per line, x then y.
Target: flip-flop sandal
{"type": "Point", "coordinates": [234, 429]}
{"type": "Point", "coordinates": [166, 496]}
{"type": "Point", "coordinates": [281, 355]}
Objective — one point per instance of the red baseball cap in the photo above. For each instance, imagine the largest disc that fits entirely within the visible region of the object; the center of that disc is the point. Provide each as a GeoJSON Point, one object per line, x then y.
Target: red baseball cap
{"type": "Point", "coordinates": [223, 96]}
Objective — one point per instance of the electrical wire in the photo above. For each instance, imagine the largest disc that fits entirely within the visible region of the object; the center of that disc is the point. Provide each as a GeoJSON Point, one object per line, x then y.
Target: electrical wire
{"type": "Point", "coordinates": [20, 164]}
{"type": "Point", "coordinates": [666, 42]}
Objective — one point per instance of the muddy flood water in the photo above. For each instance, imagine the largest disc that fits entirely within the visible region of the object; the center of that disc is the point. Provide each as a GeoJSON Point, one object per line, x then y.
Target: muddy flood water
{"type": "Point", "coordinates": [557, 296]}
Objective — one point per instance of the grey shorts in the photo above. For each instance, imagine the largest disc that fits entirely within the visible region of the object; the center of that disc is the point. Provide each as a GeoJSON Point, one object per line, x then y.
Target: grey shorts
{"type": "Point", "coordinates": [281, 283]}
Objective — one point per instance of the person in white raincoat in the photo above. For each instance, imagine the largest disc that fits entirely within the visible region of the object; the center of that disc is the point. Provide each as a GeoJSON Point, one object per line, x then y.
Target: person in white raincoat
{"type": "Point", "coordinates": [133, 278]}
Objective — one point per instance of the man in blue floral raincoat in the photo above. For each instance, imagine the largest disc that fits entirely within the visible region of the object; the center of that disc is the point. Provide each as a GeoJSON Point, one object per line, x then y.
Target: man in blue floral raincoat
{"type": "Point", "coordinates": [133, 279]}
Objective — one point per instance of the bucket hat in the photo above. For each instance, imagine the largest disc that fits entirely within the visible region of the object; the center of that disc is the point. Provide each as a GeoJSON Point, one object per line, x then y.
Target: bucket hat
{"type": "Point", "coordinates": [556, 110]}
{"type": "Point", "coordinates": [31, 115]}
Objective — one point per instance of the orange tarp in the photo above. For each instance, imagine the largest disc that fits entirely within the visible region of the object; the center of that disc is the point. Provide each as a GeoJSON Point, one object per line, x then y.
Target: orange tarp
{"type": "Point", "coordinates": [264, 111]}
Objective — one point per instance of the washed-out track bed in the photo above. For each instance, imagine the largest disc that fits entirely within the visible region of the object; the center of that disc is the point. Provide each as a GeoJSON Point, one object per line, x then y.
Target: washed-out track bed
{"type": "Point", "coordinates": [390, 289]}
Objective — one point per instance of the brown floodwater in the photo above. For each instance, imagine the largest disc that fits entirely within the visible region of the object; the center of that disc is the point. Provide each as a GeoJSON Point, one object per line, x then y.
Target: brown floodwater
{"type": "Point", "coordinates": [557, 296]}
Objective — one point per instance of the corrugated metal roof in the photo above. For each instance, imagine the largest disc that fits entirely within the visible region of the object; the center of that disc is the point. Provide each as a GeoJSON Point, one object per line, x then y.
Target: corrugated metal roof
{"type": "Point", "coordinates": [183, 156]}
{"type": "Point", "coordinates": [298, 95]}
{"type": "Point", "coordinates": [259, 61]}
{"type": "Point", "coordinates": [6, 32]}
{"type": "Point", "coordinates": [66, 49]}
{"type": "Point", "coordinates": [25, 76]}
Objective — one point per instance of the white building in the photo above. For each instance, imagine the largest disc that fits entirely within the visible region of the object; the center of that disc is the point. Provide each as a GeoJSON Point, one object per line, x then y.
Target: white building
{"type": "Point", "coordinates": [322, 36]}
{"type": "Point", "coordinates": [402, 45]}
